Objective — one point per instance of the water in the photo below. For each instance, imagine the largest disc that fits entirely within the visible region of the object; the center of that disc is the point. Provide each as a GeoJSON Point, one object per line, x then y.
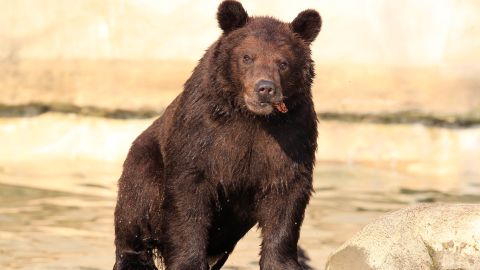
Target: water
{"type": "Point", "coordinates": [56, 212]}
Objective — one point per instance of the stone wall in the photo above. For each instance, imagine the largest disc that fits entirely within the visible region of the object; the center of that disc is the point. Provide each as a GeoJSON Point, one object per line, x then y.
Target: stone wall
{"type": "Point", "coordinates": [372, 56]}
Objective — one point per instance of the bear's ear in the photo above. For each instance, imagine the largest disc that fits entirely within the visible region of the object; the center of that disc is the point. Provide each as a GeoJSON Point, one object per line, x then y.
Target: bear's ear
{"type": "Point", "coordinates": [307, 25]}
{"type": "Point", "coordinates": [231, 15]}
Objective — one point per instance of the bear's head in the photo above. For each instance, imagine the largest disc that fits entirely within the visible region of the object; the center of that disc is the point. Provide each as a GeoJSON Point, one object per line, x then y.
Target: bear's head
{"type": "Point", "coordinates": [265, 63]}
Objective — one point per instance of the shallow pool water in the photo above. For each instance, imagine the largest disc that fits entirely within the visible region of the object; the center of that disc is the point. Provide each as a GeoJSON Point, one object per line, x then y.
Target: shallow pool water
{"type": "Point", "coordinates": [47, 229]}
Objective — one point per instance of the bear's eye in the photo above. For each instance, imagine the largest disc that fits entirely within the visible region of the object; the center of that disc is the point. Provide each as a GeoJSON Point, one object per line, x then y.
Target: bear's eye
{"type": "Point", "coordinates": [283, 65]}
{"type": "Point", "coordinates": [247, 59]}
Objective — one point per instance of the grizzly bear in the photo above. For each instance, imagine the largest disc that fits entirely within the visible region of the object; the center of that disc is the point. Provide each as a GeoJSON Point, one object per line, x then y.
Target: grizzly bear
{"type": "Point", "coordinates": [236, 148]}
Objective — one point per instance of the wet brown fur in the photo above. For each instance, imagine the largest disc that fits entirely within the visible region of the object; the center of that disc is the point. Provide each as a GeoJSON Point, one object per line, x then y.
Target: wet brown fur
{"type": "Point", "coordinates": [209, 169]}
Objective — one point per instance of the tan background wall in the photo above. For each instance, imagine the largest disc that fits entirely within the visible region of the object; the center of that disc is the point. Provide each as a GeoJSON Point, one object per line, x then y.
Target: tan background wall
{"type": "Point", "coordinates": [372, 56]}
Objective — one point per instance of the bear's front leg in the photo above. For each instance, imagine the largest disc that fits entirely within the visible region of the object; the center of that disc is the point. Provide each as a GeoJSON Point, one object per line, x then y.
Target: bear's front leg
{"type": "Point", "coordinates": [187, 209]}
{"type": "Point", "coordinates": [280, 218]}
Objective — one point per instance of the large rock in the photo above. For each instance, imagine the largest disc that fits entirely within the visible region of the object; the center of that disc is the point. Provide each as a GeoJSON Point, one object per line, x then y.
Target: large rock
{"type": "Point", "coordinates": [430, 236]}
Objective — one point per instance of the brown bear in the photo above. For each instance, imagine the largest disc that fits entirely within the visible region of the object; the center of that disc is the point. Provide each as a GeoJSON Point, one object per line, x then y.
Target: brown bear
{"type": "Point", "coordinates": [236, 148]}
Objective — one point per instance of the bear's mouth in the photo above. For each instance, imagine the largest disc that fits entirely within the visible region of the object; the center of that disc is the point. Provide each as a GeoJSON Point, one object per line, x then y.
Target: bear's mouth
{"type": "Point", "coordinates": [257, 107]}
{"type": "Point", "coordinates": [265, 108]}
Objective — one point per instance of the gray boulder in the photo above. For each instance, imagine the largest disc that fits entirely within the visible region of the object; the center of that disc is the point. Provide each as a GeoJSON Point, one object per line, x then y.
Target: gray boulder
{"type": "Point", "coordinates": [427, 236]}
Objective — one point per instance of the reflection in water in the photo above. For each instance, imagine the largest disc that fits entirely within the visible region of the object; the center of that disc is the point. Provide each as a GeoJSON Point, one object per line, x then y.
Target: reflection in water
{"type": "Point", "coordinates": [59, 214]}
{"type": "Point", "coordinates": [52, 230]}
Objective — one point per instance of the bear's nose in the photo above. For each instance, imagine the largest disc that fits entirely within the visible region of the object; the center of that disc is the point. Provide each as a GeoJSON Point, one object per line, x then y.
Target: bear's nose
{"type": "Point", "coordinates": [265, 89]}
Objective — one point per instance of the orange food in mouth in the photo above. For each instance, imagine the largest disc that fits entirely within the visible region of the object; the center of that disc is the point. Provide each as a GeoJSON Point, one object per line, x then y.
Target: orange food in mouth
{"type": "Point", "coordinates": [281, 107]}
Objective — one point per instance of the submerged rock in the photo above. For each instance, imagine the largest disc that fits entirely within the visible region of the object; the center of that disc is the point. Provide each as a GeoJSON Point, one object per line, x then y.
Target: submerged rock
{"type": "Point", "coordinates": [428, 236]}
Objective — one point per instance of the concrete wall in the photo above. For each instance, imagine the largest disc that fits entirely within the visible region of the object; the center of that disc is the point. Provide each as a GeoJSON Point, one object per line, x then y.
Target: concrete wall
{"type": "Point", "coordinates": [372, 55]}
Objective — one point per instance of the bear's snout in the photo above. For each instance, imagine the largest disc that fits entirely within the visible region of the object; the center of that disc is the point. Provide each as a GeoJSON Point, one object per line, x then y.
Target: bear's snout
{"type": "Point", "coordinates": [265, 90]}
{"type": "Point", "coordinates": [263, 97]}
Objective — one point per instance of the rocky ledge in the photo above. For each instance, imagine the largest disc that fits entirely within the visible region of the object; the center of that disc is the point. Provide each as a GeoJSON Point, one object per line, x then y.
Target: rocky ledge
{"type": "Point", "coordinates": [464, 120]}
